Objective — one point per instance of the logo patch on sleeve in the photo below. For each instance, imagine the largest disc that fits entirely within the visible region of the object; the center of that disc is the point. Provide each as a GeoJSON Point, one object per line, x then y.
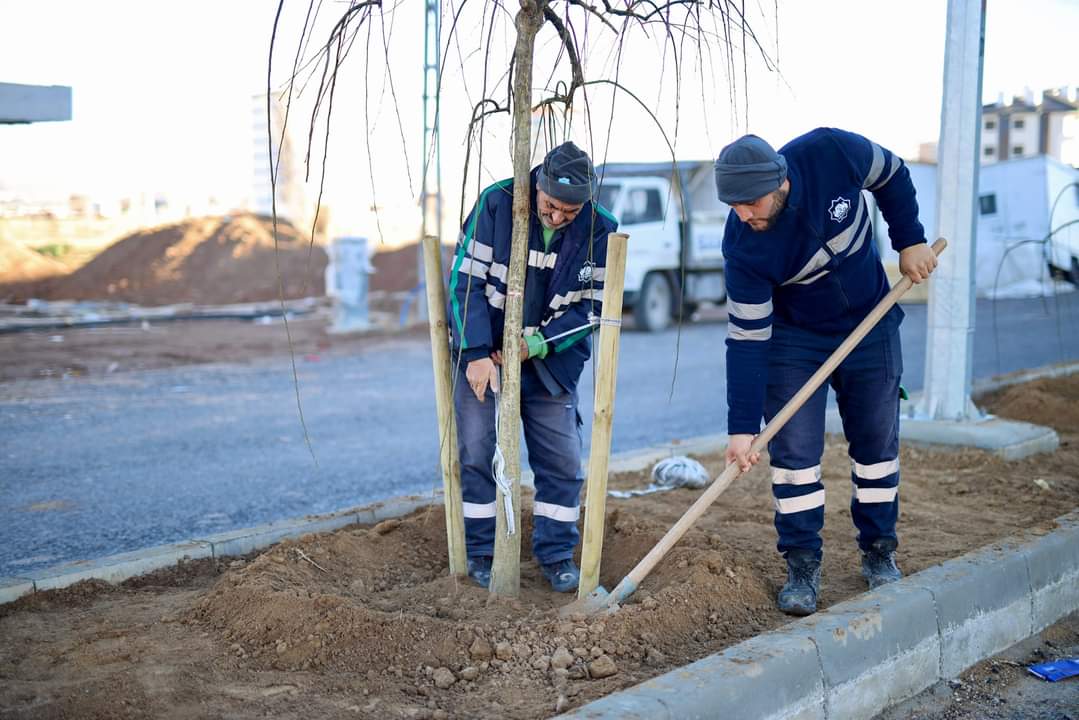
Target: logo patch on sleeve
{"type": "Point", "coordinates": [840, 209]}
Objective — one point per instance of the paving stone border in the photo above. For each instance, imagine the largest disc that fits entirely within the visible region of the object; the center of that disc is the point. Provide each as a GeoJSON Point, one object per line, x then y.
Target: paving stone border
{"type": "Point", "coordinates": [864, 655]}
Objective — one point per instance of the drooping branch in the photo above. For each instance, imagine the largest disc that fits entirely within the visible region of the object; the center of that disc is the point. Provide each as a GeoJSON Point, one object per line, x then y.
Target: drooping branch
{"type": "Point", "coordinates": [571, 49]}
{"type": "Point", "coordinates": [593, 10]}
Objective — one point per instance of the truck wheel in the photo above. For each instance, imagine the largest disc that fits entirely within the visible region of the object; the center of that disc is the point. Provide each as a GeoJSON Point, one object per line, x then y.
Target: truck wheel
{"type": "Point", "coordinates": [652, 311]}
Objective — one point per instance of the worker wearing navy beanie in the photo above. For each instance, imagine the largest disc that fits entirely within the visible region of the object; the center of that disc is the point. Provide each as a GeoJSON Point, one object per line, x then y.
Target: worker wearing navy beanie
{"type": "Point", "coordinates": [563, 291]}
{"type": "Point", "coordinates": [802, 270]}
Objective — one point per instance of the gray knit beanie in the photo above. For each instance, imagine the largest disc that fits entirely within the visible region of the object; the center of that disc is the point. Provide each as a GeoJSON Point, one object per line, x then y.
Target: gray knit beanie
{"type": "Point", "coordinates": [567, 175]}
{"type": "Point", "coordinates": [748, 169]}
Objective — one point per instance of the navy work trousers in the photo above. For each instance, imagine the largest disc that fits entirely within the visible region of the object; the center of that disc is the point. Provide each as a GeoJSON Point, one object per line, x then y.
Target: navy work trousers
{"type": "Point", "coordinates": [552, 430]}
{"type": "Point", "coordinates": [867, 391]}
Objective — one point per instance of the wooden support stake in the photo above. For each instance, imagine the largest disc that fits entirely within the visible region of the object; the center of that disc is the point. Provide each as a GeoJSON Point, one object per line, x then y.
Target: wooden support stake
{"type": "Point", "coordinates": [606, 360]}
{"type": "Point", "coordinates": [447, 423]}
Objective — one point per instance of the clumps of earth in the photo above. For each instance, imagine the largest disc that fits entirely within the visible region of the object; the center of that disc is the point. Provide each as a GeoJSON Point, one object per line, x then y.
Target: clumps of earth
{"type": "Point", "coordinates": [378, 602]}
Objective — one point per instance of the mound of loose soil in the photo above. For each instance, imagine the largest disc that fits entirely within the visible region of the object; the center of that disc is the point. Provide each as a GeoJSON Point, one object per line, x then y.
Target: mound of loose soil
{"type": "Point", "coordinates": [396, 269]}
{"type": "Point", "coordinates": [209, 261]}
{"type": "Point", "coordinates": [1046, 401]}
{"type": "Point", "coordinates": [19, 263]}
{"type": "Point", "coordinates": [364, 622]}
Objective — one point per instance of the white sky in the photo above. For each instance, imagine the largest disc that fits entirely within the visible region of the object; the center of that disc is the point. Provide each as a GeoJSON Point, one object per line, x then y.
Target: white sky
{"type": "Point", "coordinates": [162, 92]}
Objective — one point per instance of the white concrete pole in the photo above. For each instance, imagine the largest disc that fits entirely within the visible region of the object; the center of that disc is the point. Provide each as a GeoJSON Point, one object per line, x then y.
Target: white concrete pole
{"type": "Point", "coordinates": [950, 337]}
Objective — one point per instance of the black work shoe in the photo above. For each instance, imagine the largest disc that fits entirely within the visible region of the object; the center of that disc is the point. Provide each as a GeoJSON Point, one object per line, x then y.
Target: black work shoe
{"type": "Point", "coordinates": [563, 575]}
{"type": "Point", "coordinates": [479, 569]}
{"type": "Point", "coordinates": [878, 563]}
{"type": "Point", "coordinates": [799, 595]}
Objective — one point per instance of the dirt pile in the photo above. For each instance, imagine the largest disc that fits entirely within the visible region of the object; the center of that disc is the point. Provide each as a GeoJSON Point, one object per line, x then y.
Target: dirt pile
{"type": "Point", "coordinates": [209, 261]}
{"type": "Point", "coordinates": [1046, 401]}
{"type": "Point", "coordinates": [396, 269]}
{"type": "Point", "coordinates": [19, 263]}
{"type": "Point", "coordinates": [377, 602]}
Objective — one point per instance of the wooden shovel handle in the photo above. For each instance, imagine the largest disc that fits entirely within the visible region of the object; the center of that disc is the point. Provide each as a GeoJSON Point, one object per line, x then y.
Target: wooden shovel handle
{"type": "Point", "coordinates": [732, 471]}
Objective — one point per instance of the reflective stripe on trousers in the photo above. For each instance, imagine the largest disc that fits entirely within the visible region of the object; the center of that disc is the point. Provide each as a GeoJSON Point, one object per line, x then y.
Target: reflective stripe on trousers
{"type": "Point", "coordinates": [553, 438]}
{"type": "Point", "coordinates": [867, 393]}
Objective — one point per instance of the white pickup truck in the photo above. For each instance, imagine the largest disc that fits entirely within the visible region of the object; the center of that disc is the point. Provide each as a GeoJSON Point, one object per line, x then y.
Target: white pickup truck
{"type": "Point", "coordinates": [675, 225]}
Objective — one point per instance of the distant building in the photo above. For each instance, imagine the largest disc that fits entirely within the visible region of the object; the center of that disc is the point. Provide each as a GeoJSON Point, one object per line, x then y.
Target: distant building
{"type": "Point", "coordinates": [1023, 129]}
{"type": "Point", "coordinates": [289, 180]}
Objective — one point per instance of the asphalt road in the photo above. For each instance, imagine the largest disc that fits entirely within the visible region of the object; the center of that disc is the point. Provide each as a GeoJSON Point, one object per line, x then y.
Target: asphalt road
{"type": "Point", "coordinates": [92, 467]}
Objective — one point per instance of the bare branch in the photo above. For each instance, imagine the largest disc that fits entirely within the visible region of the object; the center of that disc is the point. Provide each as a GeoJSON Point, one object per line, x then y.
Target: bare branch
{"type": "Point", "coordinates": [594, 11]}
{"type": "Point", "coordinates": [276, 240]}
{"type": "Point", "coordinates": [571, 49]}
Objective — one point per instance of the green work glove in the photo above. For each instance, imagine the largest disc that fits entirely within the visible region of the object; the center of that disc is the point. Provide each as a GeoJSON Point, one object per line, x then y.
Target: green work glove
{"type": "Point", "coordinates": [537, 346]}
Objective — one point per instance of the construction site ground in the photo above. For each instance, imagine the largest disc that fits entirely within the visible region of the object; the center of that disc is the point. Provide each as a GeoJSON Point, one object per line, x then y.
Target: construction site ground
{"type": "Point", "coordinates": [101, 351]}
{"type": "Point", "coordinates": [366, 622]}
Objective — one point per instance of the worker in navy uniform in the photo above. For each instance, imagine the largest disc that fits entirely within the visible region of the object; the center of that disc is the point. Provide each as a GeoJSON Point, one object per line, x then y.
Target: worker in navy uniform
{"type": "Point", "coordinates": [802, 270]}
{"type": "Point", "coordinates": [567, 247]}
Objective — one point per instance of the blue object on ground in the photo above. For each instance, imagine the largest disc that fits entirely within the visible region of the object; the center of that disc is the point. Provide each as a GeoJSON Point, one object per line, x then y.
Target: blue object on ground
{"type": "Point", "coordinates": [1056, 670]}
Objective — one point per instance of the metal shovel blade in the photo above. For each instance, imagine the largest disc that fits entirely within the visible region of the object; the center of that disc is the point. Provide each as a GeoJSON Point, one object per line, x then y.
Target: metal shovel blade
{"type": "Point", "coordinates": [590, 604]}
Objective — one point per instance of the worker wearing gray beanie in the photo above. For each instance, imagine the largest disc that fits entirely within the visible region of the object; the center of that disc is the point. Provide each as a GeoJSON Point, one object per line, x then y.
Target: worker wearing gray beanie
{"type": "Point", "coordinates": [748, 169]}
{"type": "Point", "coordinates": [567, 175]}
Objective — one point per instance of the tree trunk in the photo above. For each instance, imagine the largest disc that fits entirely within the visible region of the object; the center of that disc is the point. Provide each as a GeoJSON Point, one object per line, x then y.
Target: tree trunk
{"type": "Point", "coordinates": [506, 574]}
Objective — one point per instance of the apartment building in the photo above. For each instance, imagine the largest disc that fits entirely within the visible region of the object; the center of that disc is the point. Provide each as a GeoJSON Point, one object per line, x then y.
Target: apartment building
{"type": "Point", "coordinates": [1025, 129]}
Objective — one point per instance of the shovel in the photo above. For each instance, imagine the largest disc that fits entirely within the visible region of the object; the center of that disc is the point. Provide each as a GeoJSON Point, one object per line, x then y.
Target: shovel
{"type": "Point", "coordinates": [601, 600]}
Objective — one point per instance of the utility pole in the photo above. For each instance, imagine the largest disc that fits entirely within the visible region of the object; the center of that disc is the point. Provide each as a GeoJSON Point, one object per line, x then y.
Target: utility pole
{"type": "Point", "coordinates": [950, 338]}
{"type": "Point", "coordinates": [431, 191]}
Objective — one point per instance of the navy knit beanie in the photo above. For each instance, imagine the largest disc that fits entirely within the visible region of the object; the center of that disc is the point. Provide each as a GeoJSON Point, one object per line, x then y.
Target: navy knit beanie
{"type": "Point", "coordinates": [567, 175]}
{"type": "Point", "coordinates": [748, 169]}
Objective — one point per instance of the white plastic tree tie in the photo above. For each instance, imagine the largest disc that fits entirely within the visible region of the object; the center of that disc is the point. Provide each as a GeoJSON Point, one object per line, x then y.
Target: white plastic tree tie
{"type": "Point", "coordinates": [498, 470]}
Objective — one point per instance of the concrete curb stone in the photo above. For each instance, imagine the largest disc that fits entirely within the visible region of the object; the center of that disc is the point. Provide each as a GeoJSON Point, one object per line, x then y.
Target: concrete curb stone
{"type": "Point", "coordinates": [115, 568]}
{"type": "Point", "coordinates": [983, 603]}
{"type": "Point", "coordinates": [243, 541]}
{"type": "Point", "coordinates": [397, 507]}
{"type": "Point", "coordinates": [1053, 565]}
{"type": "Point", "coordinates": [999, 382]}
{"type": "Point", "coordinates": [728, 684]}
{"type": "Point", "coordinates": [876, 649]}
{"type": "Point", "coordinates": [879, 648]}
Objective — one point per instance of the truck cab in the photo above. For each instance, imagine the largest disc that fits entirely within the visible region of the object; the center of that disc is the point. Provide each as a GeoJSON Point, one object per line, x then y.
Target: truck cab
{"type": "Point", "coordinates": [674, 260]}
